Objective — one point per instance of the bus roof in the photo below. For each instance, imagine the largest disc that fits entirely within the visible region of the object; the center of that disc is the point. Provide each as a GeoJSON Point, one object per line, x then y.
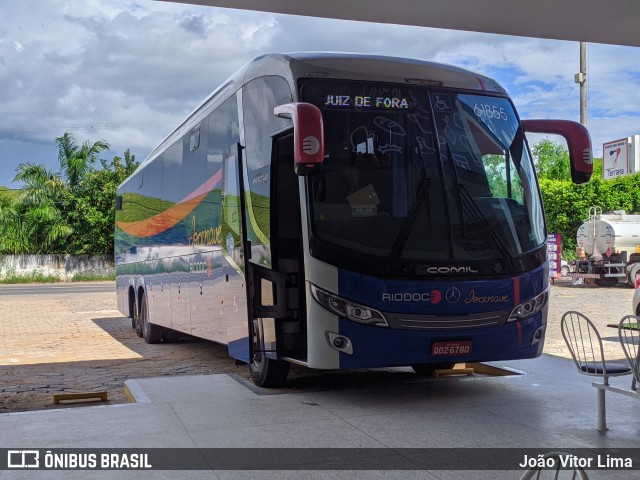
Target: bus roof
{"type": "Point", "coordinates": [352, 66]}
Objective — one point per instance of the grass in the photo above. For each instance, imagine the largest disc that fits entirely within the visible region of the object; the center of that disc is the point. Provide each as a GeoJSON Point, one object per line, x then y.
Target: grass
{"type": "Point", "coordinates": [91, 277]}
{"type": "Point", "coordinates": [33, 277]}
{"type": "Point", "coordinates": [40, 277]}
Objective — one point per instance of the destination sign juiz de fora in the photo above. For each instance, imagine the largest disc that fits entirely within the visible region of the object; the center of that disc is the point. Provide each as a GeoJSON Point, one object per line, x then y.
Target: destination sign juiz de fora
{"type": "Point", "coordinates": [362, 101]}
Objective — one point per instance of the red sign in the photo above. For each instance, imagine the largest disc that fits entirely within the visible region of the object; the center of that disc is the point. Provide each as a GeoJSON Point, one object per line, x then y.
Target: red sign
{"type": "Point", "coordinates": [554, 254]}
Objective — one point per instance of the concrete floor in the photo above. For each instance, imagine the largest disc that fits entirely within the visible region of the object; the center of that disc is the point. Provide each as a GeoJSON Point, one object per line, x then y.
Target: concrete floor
{"type": "Point", "coordinates": [549, 406]}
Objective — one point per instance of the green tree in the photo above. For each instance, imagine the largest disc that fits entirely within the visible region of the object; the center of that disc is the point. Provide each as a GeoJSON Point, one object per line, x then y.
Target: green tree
{"type": "Point", "coordinates": [76, 161]}
{"type": "Point", "coordinates": [91, 209]}
{"type": "Point", "coordinates": [32, 228]}
{"type": "Point", "coordinates": [551, 160]}
{"type": "Point", "coordinates": [46, 213]}
{"type": "Point", "coordinates": [38, 226]}
{"type": "Point", "coordinates": [567, 205]}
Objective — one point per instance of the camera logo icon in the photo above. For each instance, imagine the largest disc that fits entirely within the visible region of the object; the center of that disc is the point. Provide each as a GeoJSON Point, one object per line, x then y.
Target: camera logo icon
{"type": "Point", "coordinates": [23, 459]}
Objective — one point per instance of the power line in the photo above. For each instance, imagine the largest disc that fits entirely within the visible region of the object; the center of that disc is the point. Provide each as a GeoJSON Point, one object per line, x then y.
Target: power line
{"type": "Point", "coordinates": [79, 126]}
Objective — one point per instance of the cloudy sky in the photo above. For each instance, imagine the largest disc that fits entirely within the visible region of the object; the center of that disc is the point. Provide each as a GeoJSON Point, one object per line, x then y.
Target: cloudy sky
{"type": "Point", "coordinates": [129, 71]}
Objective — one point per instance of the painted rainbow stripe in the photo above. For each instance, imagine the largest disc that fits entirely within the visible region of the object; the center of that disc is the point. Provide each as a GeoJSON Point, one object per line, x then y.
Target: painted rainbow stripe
{"type": "Point", "coordinates": [174, 215]}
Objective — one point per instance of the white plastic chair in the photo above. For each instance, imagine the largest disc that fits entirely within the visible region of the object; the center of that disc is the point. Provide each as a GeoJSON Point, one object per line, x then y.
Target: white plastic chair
{"type": "Point", "coordinates": [585, 344]}
{"type": "Point", "coordinates": [629, 334]}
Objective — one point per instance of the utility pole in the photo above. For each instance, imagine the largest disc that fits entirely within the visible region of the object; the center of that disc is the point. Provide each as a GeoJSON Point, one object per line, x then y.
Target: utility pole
{"type": "Point", "coordinates": [581, 79]}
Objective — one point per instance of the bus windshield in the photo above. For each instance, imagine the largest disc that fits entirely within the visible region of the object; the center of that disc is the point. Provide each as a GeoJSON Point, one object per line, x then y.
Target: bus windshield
{"type": "Point", "coordinates": [415, 175]}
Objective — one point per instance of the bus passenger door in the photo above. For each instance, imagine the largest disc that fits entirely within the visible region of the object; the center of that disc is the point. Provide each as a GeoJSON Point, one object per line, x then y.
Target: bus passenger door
{"type": "Point", "coordinates": [287, 250]}
{"type": "Point", "coordinates": [233, 327]}
{"type": "Point", "coordinates": [277, 293]}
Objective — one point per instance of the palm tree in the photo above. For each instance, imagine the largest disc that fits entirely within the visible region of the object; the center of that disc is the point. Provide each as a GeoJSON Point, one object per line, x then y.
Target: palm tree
{"type": "Point", "coordinates": [76, 161]}
{"type": "Point", "coordinates": [37, 223]}
{"type": "Point", "coordinates": [8, 224]}
{"type": "Point", "coordinates": [34, 224]}
{"type": "Point", "coordinates": [41, 184]}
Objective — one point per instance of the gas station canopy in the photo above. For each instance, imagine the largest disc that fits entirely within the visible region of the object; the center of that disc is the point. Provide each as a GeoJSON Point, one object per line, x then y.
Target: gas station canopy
{"type": "Point", "coordinates": [612, 21]}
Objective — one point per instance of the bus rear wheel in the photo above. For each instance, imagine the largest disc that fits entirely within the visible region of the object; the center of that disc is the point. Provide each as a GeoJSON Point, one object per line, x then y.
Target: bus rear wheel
{"type": "Point", "coordinates": [427, 369]}
{"type": "Point", "coordinates": [265, 371]}
{"type": "Point", "coordinates": [150, 332]}
{"type": "Point", "coordinates": [136, 323]}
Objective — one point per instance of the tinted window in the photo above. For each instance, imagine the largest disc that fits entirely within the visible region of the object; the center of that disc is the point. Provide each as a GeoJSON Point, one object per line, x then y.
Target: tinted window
{"type": "Point", "coordinates": [259, 99]}
{"type": "Point", "coordinates": [194, 165]}
{"type": "Point", "coordinates": [223, 131]}
{"type": "Point", "coordinates": [152, 184]}
{"type": "Point", "coordinates": [401, 187]}
{"type": "Point", "coordinates": [172, 161]}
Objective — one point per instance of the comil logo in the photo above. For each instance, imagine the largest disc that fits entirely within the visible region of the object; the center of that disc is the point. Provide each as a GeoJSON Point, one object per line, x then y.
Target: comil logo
{"type": "Point", "coordinates": [435, 296]}
{"type": "Point", "coordinates": [23, 459]}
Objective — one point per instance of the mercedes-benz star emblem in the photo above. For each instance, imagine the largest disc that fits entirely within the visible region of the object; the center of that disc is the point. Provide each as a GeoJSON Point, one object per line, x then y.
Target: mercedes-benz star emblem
{"type": "Point", "coordinates": [453, 295]}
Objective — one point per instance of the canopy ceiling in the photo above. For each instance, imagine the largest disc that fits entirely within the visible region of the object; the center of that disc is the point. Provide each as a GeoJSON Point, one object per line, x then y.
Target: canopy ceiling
{"type": "Point", "coordinates": [597, 21]}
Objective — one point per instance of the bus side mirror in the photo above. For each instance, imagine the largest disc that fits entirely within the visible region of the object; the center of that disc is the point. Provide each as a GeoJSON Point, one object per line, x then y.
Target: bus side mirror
{"type": "Point", "coordinates": [308, 135]}
{"type": "Point", "coordinates": [119, 202]}
{"type": "Point", "coordinates": [578, 141]}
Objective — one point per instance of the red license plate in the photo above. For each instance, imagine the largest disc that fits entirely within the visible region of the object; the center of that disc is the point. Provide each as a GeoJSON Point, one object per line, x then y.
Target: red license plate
{"type": "Point", "coordinates": [453, 348]}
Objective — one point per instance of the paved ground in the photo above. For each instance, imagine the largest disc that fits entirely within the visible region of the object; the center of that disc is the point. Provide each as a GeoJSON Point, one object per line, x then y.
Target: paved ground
{"type": "Point", "coordinates": [603, 306]}
{"type": "Point", "coordinates": [76, 343]}
{"type": "Point", "coordinates": [80, 343]}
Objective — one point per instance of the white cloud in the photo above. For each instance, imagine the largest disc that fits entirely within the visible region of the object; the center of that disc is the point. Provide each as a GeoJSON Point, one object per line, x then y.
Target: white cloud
{"type": "Point", "coordinates": [129, 71]}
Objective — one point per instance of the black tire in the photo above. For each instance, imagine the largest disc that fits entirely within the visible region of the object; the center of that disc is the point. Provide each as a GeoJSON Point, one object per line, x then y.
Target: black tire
{"type": "Point", "coordinates": [607, 281]}
{"type": "Point", "coordinates": [427, 369]}
{"type": "Point", "coordinates": [564, 271]}
{"type": "Point", "coordinates": [634, 273]}
{"type": "Point", "coordinates": [265, 372]}
{"type": "Point", "coordinates": [170, 336]}
{"type": "Point", "coordinates": [150, 332]}
{"type": "Point", "coordinates": [137, 324]}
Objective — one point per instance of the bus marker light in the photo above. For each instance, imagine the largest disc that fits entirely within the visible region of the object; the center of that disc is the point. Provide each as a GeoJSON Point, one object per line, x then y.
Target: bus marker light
{"type": "Point", "coordinates": [340, 342]}
{"type": "Point", "coordinates": [538, 335]}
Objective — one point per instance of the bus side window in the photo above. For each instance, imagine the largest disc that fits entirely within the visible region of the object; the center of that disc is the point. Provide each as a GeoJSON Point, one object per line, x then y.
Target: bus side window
{"type": "Point", "coordinates": [259, 98]}
{"type": "Point", "coordinates": [172, 166]}
{"type": "Point", "coordinates": [194, 162]}
{"type": "Point", "coordinates": [223, 131]}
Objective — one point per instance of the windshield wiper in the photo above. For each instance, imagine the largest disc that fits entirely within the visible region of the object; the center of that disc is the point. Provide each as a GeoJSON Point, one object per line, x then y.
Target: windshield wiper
{"type": "Point", "coordinates": [422, 195]}
{"type": "Point", "coordinates": [476, 213]}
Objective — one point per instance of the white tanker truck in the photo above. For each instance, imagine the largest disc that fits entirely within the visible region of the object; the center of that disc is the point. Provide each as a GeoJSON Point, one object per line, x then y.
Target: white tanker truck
{"type": "Point", "coordinates": [609, 248]}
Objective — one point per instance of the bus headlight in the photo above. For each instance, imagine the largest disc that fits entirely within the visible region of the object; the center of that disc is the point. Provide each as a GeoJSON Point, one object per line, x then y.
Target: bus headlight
{"type": "Point", "coordinates": [347, 309]}
{"type": "Point", "coordinates": [530, 307]}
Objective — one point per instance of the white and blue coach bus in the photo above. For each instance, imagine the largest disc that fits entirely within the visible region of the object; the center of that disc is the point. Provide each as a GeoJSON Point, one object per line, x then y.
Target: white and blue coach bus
{"type": "Point", "coordinates": [340, 212]}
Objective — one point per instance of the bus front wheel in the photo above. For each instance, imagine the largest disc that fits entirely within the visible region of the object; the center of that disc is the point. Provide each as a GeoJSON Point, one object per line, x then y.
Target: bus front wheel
{"type": "Point", "coordinates": [265, 371]}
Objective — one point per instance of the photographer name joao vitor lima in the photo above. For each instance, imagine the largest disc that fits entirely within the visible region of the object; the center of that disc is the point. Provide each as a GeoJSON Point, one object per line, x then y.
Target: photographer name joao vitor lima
{"type": "Point", "coordinates": [573, 461]}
